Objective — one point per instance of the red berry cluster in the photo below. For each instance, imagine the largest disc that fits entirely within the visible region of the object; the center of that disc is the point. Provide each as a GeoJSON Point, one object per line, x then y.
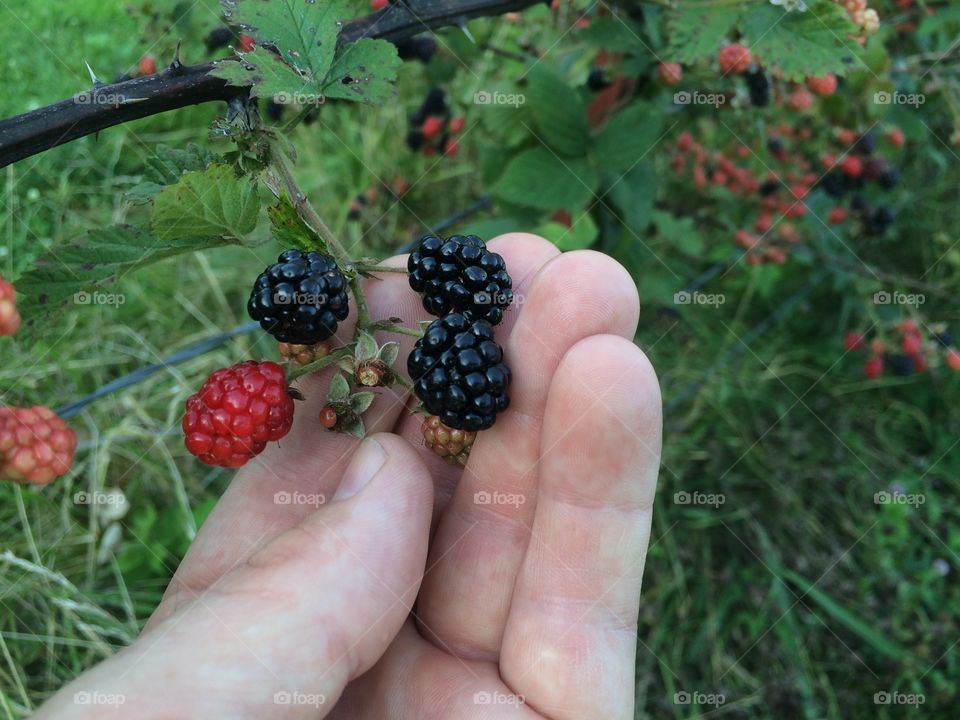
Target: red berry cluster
{"type": "Point", "coordinates": [236, 412]}
{"type": "Point", "coordinates": [912, 352]}
{"type": "Point", "coordinates": [396, 189]}
{"type": "Point", "coordinates": [432, 129]}
{"type": "Point", "coordinates": [36, 446]}
{"type": "Point", "coordinates": [9, 316]}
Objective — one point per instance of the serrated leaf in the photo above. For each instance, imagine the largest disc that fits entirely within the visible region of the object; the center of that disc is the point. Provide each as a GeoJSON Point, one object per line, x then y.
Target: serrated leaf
{"type": "Point", "coordinates": [289, 229]}
{"type": "Point", "coordinates": [582, 234]}
{"type": "Point", "coordinates": [71, 271]}
{"type": "Point", "coordinates": [560, 117]}
{"type": "Point", "coordinates": [614, 34]}
{"type": "Point", "coordinates": [389, 352]}
{"type": "Point", "coordinates": [364, 71]}
{"type": "Point", "coordinates": [628, 137]}
{"type": "Point", "coordinates": [697, 30]}
{"type": "Point", "coordinates": [210, 202]}
{"type": "Point", "coordinates": [361, 401]}
{"type": "Point", "coordinates": [366, 347]}
{"type": "Point", "coordinates": [814, 42]}
{"type": "Point", "coordinates": [339, 389]}
{"type": "Point", "coordinates": [304, 33]}
{"type": "Point", "coordinates": [633, 195]}
{"type": "Point", "coordinates": [142, 193]}
{"type": "Point", "coordinates": [347, 365]}
{"type": "Point", "coordinates": [681, 231]}
{"type": "Point", "coordinates": [167, 164]}
{"type": "Point", "coordinates": [270, 78]}
{"type": "Point", "coordinates": [538, 178]}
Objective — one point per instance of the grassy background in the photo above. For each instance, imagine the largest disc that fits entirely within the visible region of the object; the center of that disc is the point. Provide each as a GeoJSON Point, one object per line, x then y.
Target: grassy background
{"type": "Point", "coordinates": [799, 596]}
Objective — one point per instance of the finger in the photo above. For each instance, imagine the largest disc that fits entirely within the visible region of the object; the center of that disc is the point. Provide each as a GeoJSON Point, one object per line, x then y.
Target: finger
{"type": "Point", "coordinates": [570, 640]}
{"type": "Point", "coordinates": [524, 255]}
{"type": "Point", "coordinates": [480, 542]}
{"type": "Point", "coordinates": [311, 611]}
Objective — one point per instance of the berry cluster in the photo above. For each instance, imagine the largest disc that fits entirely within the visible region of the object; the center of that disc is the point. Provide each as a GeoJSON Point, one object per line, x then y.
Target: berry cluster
{"type": "Point", "coordinates": [854, 171]}
{"type": "Point", "coordinates": [432, 129]}
{"type": "Point", "coordinates": [9, 316]}
{"type": "Point", "coordinates": [912, 353]}
{"type": "Point", "coordinates": [300, 298]}
{"type": "Point", "coordinates": [236, 412]}
{"type": "Point", "coordinates": [457, 367]}
{"type": "Point", "coordinates": [36, 446]}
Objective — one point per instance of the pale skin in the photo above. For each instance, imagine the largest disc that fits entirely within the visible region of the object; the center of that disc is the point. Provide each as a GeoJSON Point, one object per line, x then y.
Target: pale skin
{"type": "Point", "coordinates": [401, 593]}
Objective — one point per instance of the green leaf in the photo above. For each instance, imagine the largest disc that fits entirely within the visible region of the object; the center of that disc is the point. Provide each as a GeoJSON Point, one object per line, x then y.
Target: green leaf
{"type": "Point", "coordinates": [270, 78]}
{"type": "Point", "coordinates": [680, 231]}
{"type": "Point", "coordinates": [389, 352]}
{"type": "Point", "coordinates": [209, 202]}
{"type": "Point", "coordinates": [628, 137]}
{"type": "Point", "coordinates": [633, 195]}
{"type": "Point", "coordinates": [355, 429]}
{"type": "Point", "coordinates": [814, 42]}
{"type": "Point", "coordinates": [68, 273]}
{"type": "Point", "coordinates": [581, 235]}
{"type": "Point", "coordinates": [289, 229]}
{"type": "Point", "coordinates": [361, 401]}
{"type": "Point", "coordinates": [366, 347]}
{"type": "Point", "coordinates": [538, 178]}
{"type": "Point", "coordinates": [614, 34]}
{"type": "Point", "coordinates": [697, 30]}
{"type": "Point", "coordinates": [339, 389]}
{"type": "Point", "coordinates": [304, 33]}
{"type": "Point", "coordinates": [166, 166]}
{"type": "Point", "coordinates": [560, 116]}
{"type": "Point", "coordinates": [364, 71]}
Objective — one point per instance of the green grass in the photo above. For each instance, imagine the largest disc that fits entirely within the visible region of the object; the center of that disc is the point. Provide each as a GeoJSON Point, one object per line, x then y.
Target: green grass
{"type": "Point", "coordinates": [797, 597]}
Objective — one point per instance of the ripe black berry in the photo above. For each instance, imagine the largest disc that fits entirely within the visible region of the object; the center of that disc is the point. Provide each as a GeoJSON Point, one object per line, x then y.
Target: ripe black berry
{"type": "Point", "coordinates": [421, 48]}
{"type": "Point", "coordinates": [459, 274]}
{"type": "Point", "coordinates": [300, 298]}
{"type": "Point", "coordinates": [759, 87]}
{"type": "Point", "coordinates": [866, 143]}
{"type": "Point", "coordinates": [458, 372]}
{"type": "Point", "coordinates": [889, 179]}
{"type": "Point", "coordinates": [219, 37]}
{"type": "Point", "coordinates": [596, 81]}
{"type": "Point", "coordinates": [901, 364]}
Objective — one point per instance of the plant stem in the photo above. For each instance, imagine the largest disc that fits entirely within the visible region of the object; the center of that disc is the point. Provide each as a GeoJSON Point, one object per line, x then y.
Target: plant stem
{"type": "Point", "coordinates": [320, 364]}
{"type": "Point", "coordinates": [379, 268]}
{"type": "Point", "coordinates": [387, 326]}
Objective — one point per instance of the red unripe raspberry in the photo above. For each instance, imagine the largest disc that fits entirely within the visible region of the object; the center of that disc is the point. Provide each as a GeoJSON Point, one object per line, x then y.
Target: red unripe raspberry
{"type": "Point", "coordinates": [952, 358]}
{"type": "Point", "coordinates": [563, 217]}
{"type": "Point", "coordinates": [896, 137]}
{"type": "Point", "coordinates": [36, 446]}
{"type": "Point", "coordinates": [764, 223]}
{"type": "Point", "coordinates": [719, 178]}
{"type": "Point", "coordinates": [797, 210]}
{"type": "Point", "coordinates": [853, 341]}
{"type": "Point", "coordinates": [800, 99]}
{"type": "Point", "coordinates": [670, 73]}
{"type": "Point", "coordinates": [911, 344]}
{"type": "Point", "coordinates": [776, 255]}
{"type": "Point", "coordinates": [799, 191]}
{"type": "Point", "coordinates": [431, 127]}
{"type": "Point", "coordinates": [247, 43]}
{"type": "Point", "coordinates": [735, 58]}
{"type": "Point", "coordinates": [9, 317]}
{"type": "Point", "coordinates": [908, 326]}
{"type": "Point", "coordinates": [147, 66]}
{"type": "Point", "coordinates": [786, 231]}
{"type": "Point", "coordinates": [837, 216]}
{"type": "Point", "coordinates": [457, 124]}
{"type": "Point", "coordinates": [827, 161]}
{"type": "Point", "coordinates": [847, 137]}
{"type": "Point", "coordinates": [823, 86]}
{"type": "Point", "coordinates": [744, 239]}
{"type": "Point", "coordinates": [582, 23]}
{"type": "Point", "coordinates": [236, 412]}
{"type": "Point", "coordinates": [851, 166]}
{"type": "Point", "coordinates": [873, 367]}
{"type": "Point", "coordinates": [754, 259]}
{"type": "Point", "coordinates": [378, 4]}
{"type": "Point", "coordinates": [328, 417]}
{"type": "Point", "coordinates": [919, 362]}
{"type": "Point", "coordinates": [684, 142]}
{"type": "Point", "coordinates": [451, 147]}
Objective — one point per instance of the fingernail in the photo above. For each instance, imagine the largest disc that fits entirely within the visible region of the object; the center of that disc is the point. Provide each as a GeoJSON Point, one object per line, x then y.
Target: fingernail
{"type": "Point", "coordinates": [366, 462]}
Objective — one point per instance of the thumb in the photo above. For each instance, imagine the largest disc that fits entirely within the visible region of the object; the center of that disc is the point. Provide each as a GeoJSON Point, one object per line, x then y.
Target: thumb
{"type": "Point", "coordinates": [282, 635]}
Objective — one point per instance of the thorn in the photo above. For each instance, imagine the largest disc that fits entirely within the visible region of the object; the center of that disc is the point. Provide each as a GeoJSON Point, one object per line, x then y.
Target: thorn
{"type": "Point", "coordinates": [176, 67]}
{"type": "Point", "coordinates": [93, 76]}
{"type": "Point", "coordinates": [462, 24]}
{"type": "Point", "coordinates": [131, 101]}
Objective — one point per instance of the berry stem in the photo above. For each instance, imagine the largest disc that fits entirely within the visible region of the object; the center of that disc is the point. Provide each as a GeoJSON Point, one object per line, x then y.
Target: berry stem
{"type": "Point", "coordinates": [325, 361]}
{"type": "Point", "coordinates": [360, 267]}
{"type": "Point", "coordinates": [387, 326]}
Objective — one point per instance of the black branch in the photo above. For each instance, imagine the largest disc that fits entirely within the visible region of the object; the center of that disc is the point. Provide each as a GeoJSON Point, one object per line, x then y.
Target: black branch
{"type": "Point", "coordinates": [181, 85]}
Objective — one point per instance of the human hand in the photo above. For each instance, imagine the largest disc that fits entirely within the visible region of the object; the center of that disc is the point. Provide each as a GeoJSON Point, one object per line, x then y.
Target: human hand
{"type": "Point", "coordinates": [522, 600]}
